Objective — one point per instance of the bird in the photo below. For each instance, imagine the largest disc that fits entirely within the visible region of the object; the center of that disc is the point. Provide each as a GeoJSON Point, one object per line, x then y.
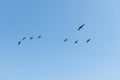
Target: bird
{"type": "Point", "coordinates": [88, 40]}
{"type": "Point", "coordinates": [39, 36]}
{"type": "Point", "coordinates": [31, 38]}
{"type": "Point", "coordinates": [76, 42]}
{"type": "Point", "coordinates": [19, 42]}
{"type": "Point", "coordinates": [81, 27]}
{"type": "Point", "coordinates": [65, 40]}
{"type": "Point", "coordinates": [23, 38]}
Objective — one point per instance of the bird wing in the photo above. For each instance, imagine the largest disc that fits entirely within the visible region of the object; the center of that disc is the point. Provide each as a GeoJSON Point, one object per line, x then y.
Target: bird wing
{"type": "Point", "coordinates": [81, 27]}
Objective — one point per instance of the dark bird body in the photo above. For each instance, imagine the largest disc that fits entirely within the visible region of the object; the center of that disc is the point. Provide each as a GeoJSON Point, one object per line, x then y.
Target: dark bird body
{"type": "Point", "coordinates": [88, 40]}
{"type": "Point", "coordinates": [19, 42]}
{"type": "Point", "coordinates": [24, 38]}
{"type": "Point", "coordinates": [39, 36]}
{"type": "Point", "coordinates": [76, 42]}
{"type": "Point", "coordinates": [31, 38]}
{"type": "Point", "coordinates": [81, 27]}
{"type": "Point", "coordinates": [65, 40]}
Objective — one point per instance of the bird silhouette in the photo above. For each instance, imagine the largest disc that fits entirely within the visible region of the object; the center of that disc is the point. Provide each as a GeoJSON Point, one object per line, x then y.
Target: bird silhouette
{"type": "Point", "coordinates": [39, 36]}
{"type": "Point", "coordinates": [23, 38]}
{"type": "Point", "coordinates": [65, 40]}
{"type": "Point", "coordinates": [31, 38]}
{"type": "Point", "coordinates": [76, 42]}
{"type": "Point", "coordinates": [81, 27]}
{"type": "Point", "coordinates": [19, 42]}
{"type": "Point", "coordinates": [88, 40]}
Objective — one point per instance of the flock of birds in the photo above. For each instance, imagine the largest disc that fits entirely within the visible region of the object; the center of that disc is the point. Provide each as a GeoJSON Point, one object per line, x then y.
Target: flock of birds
{"type": "Point", "coordinates": [65, 40]}
{"type": "Point", "coordinates": [29, 39]}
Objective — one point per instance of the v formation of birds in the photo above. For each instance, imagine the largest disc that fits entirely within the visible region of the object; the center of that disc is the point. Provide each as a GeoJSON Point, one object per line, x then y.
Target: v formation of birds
{"type": "Point", "coordinates": [65, 40]}
{"type": "Point", "coordinates": [75, 42]}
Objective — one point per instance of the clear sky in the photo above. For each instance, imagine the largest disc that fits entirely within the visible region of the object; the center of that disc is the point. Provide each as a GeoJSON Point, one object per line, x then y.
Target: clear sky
{"type": "Point", "coordinates": [49, 58]}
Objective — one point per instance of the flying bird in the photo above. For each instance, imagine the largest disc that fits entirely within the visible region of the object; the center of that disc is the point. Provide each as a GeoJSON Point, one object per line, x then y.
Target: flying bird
{"type": "Point", "coordinates": [88, 40]}
{"type": "Point", "coordinates": [81, 27]}
{"type": "Point", "coordinates": [39, 36]}
{"type": "Point", "coordinates": [31, 38]}
{"type": "Point", "coordinates": [65, 40]}
{"type": "Point", "coordinates": [76, 42]}
{"type": "Point", "coordinates": [19, 42]}
{"type": "Point", "coordinates": [23, 38]}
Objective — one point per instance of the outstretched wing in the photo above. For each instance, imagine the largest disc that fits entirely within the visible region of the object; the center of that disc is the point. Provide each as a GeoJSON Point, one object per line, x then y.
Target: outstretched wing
{"type": "Point", "coordinates": [81, 27]}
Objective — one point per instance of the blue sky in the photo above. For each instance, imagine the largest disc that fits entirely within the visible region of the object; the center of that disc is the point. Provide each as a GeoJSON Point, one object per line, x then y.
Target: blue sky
{"type": "Point", "coordinates": [51, 59]}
